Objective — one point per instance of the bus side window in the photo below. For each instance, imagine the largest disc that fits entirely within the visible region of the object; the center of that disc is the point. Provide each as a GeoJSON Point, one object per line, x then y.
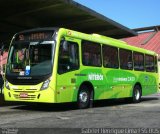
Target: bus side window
{"type": "Point", "coordinates": [126, 59]}
{"type": "Point", "coordinates": [91, 54]}
{"type": "Point", "coordinates": [149, 63]}
{"type": "Point", "coordinates": [110, 57]}
{"type": "Point", "coordinates": [156, 68]}
{"type": "Point", "coordinates": [138, 61]}
{"type": "Point", "coordinates": [68, 57]}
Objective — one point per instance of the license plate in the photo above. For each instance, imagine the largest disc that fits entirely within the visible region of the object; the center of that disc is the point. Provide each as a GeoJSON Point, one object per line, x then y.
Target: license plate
{"type": "Point", "coordinates": [23, 95]}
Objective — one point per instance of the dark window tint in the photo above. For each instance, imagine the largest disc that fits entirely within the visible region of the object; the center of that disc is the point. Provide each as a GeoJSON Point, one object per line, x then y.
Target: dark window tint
{"type": "Point", "coordinates": [110, 57]}
{"type": "Point", "coordinates": [91, 54]}
{"type": "Point", "coordinates": [149, 63]}
{"type": "Point", "coordinates": [156, 68]}
{"type": "Point", "coordinates": [138, 61]}
{"type": "Point", "coordinates": [125, 59]}
{"type": "Point", "coordinates": [68, 57]}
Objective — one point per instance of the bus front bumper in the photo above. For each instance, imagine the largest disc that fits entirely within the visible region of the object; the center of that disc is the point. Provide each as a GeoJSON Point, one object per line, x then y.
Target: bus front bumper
{"type": "Point", "coordinates": [44, 96]}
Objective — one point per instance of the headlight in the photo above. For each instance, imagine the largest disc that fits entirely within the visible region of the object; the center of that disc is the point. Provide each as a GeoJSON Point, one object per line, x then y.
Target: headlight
{"type": "Point", "coordinates": [45, 84]}
{"type": "Point", "coordinates": [7, 85]}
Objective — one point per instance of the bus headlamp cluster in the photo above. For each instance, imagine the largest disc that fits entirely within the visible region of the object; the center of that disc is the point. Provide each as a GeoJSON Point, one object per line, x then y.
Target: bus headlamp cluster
{"type": "Point", "coordinates": [7, 85]}
{"type": "Point", "coordinates": [45, 84]}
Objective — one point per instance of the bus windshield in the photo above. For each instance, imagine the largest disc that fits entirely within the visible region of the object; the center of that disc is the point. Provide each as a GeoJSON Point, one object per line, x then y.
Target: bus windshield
{"type": "Point", "coordinates": [30, 58]}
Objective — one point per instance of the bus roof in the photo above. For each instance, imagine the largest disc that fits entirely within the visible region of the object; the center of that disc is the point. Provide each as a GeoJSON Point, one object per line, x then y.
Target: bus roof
{"type": "Point", "coordinates": [93, 37]}
{"type": "Point", "coordinates": [105, 40]}
{"type": "Point", "coordinates": [40, 29]}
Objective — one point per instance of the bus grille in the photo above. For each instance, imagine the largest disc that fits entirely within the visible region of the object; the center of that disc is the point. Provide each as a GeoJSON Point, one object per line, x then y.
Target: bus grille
{"type": "Point", "coordinates": [28, 97]}
{"type": "Point", "coordinates": [26, 90]}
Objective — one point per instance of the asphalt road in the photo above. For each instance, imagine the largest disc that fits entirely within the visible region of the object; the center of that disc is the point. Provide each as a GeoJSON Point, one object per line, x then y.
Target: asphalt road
{"type": "Point", "coordinates": [104, 114]}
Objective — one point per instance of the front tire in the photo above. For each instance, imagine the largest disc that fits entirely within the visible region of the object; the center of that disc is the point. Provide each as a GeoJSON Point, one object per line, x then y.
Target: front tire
{"type": "Point", "coordinates": [137, 94]}
{"type": "Point", "coordinates": [83, 99]}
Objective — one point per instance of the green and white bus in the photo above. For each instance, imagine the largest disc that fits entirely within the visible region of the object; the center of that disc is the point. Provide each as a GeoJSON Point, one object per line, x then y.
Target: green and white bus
{"type": "Point", "coordinates": [57, 65]}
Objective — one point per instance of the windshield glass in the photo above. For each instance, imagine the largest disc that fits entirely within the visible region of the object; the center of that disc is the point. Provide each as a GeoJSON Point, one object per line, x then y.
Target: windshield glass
{"type": "Point", "coordinates": [30, 58]}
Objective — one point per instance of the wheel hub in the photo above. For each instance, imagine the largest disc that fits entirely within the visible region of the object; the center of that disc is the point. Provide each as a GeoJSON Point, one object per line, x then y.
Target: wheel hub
{"type": "Point", "coordinates": [83, 97]}
{"type": "Point", "coordinates": [137, 94]}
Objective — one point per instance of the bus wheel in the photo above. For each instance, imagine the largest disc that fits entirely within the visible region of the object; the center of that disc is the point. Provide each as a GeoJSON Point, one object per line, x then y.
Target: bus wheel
{"type": "Point", "coordinates": [83, 97]}
{"type": "Point", "coordinates": [137, 94]}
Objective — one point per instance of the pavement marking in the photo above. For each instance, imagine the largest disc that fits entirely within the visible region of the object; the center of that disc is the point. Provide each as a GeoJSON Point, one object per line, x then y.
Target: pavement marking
{"type": "Point", "coordinates": [63, 118]}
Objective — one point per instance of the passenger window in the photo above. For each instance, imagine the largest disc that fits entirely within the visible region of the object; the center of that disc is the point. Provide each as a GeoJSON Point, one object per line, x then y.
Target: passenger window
{"type": "Point", "coordinates": [149, 63]}
{"type": "Point", "coordinates": [68, 57]}
{"type": "Point", "coordinates": [138, 61]}
{"type": "Point", "coordinates": [110, 57]}
{"type": "Point", "coordinates": [125, 59]}
{"type": "Point", "coordinates": [156, 68]}
{"type": "Point", "coordinates": [91, 54]}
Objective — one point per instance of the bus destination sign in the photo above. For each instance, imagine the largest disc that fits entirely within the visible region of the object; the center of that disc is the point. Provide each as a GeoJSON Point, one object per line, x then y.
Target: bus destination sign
{"type": "Point", "coordinates": [34, 36]}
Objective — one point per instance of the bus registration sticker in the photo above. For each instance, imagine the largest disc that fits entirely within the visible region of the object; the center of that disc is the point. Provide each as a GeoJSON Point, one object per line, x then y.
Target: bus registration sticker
{"type": "Point", "coordinates": [23, 95]}
{"type": "Point", "coordinates": [21, 73]}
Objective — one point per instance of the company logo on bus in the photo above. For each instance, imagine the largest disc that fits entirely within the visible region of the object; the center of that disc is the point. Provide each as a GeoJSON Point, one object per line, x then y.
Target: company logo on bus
{"type": "Point", "coordinates": [126, 79]}
{"type": "Point", "coordinates": [97, 77]}
{"type": "Point", "coordinates": [24, 78]}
